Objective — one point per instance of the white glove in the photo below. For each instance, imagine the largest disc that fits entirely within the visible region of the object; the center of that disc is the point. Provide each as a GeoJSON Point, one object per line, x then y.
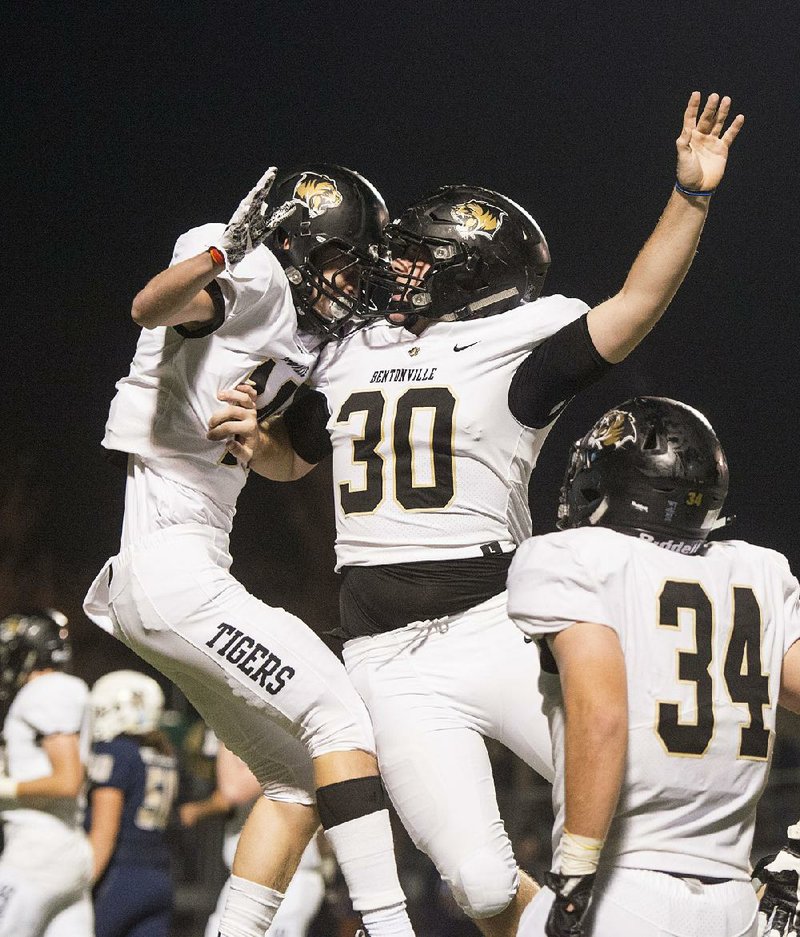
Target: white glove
{"type": "Point", "coordinates": [8, 789]}
{"type": "Point", "coordinates": [249, 224]}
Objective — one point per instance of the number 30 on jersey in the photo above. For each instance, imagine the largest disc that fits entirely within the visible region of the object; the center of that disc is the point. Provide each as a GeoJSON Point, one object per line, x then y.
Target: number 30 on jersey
{"type": "Point", "coordinates": [421, 471]}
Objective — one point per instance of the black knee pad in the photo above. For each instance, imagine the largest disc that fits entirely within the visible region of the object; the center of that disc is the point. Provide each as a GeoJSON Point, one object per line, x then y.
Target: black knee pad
{"type": "Point", "coordinates": [349, 800]}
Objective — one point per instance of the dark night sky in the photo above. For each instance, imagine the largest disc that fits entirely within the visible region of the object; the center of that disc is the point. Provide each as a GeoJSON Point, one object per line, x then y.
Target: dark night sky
{"type": "Point", "coordinates": [126, 124]}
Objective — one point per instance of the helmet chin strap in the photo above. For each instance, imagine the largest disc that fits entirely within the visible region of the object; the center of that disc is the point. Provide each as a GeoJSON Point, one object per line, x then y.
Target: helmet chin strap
{"type": "Point", "coordinates": [482, 306]}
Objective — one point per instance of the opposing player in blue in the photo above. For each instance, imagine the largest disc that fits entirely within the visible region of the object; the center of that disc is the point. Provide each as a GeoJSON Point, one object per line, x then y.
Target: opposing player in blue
{"type": "Point", "coordinates": [134, 776]}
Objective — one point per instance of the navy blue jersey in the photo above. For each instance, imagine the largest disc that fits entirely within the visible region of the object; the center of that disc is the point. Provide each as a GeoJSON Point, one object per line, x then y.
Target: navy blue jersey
{"type": "Point", "coordinates": [149, 782]}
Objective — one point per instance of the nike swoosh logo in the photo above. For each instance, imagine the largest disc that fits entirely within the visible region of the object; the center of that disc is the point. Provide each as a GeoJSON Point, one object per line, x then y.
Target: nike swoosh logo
{"type": "Point", "coordinates": [462, 347]}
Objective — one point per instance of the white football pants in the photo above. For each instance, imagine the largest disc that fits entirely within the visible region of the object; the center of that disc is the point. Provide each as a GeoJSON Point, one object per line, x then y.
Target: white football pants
{"type": "Point", "coordinates": [45, 882]}
{"type": "Point", "coordinates": [640, 903]}
{"type": "Point", "coordinates": [259, 677]}
{"type": "Point", "coordinates": [434, 690]}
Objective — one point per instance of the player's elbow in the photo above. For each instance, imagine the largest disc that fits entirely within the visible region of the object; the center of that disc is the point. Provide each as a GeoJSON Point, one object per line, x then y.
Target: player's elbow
{"type": "Point", "coordinates": [68, 784]}
{"type": "Point", "coordinates": [142, 312]}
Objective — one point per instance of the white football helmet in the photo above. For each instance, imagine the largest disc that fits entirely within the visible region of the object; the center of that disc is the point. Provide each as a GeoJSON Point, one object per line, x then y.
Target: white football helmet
{"type": "Point", "coordinates": [125, 701]}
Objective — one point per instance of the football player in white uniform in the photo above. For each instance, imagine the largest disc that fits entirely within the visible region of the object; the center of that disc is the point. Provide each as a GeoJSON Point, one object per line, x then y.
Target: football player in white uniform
{"type": "Point", "coordinates": [226, 311]}
{"type": "Point", "coordinates": [435, 419]}
{"type": "Point", "coordinates": [663, 660]}
{"type": "Point", "coordinates": [236, 790]}
{"type": "Point", "coordinates": [46, 865]}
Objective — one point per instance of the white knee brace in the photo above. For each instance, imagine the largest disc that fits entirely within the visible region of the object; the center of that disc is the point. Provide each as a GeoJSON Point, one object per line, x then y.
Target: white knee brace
{"type": "Point", "coordinates": [485, 883]}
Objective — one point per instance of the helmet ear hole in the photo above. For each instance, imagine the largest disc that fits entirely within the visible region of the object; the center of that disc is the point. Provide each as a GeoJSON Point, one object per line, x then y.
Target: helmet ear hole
{"type": "Point", "coordinates": [651, 442]}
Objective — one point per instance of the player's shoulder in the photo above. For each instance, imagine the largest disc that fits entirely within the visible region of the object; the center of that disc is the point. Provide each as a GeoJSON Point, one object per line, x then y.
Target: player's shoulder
{"type": "Point", "coordinates": [548, 313]}
{"type": "Point", "coordinates": [592, 546]}
{"type": "Point", "coordinates": [751, 555]}
{"type": "Point", "coordinates": [528, 325]}
{"type": "Point", "coordinates": [54, 688]}
{"type": "Point", "coordinates": [120, 745]}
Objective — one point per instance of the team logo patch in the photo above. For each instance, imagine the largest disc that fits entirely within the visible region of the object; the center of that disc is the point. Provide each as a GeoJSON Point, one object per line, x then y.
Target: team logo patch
{"type": "Point", "coordinates": [477, 219]}
{"type": "Point", "coordinates": [318, 193]}
{"type": "Point", "coordinates": [613, 430]}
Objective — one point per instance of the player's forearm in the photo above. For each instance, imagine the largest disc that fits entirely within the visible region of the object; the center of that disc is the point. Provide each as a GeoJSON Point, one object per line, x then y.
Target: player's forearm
{"type": "Point", "coordinates": [62, 784]}
{"type": "Point", "coordinates": [103, 843]}
{"type": "Point", "coordinates": [594, 688]}
{"type": "Point", "coordinates": [212, 806]}
{"type": "Point", "coordinates": [171, 297]}
{"type": "Point", "coordinates": [619, 324]}
{"type": "Point", "coordinates": [273, 455]}
{"type": "Point", "coordinates": [595, 748]}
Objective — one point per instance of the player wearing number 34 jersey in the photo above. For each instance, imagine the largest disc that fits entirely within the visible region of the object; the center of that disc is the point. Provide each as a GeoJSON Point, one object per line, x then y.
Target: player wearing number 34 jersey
{"type": "Point", "coordinates": [672, 653]}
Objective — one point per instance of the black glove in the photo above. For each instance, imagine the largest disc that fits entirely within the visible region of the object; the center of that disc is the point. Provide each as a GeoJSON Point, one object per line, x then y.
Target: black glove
{"type": "Point", "coordinates": [779, 909]}
{"type": "Point", "coordinates": [573, 897]}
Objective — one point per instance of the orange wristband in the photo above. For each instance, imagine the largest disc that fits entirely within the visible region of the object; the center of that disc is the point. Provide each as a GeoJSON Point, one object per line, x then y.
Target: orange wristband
{"type": "Point", "coordinates": [217, 256]}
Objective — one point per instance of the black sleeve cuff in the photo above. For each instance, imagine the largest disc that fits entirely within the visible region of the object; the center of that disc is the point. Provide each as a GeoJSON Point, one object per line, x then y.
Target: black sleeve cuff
{"type": "Point", "coordinates": [306, 423]}
{"type": "Point", "coordinates": [553, 373]}
{"type": "Point", "coordinates": [215, 292]}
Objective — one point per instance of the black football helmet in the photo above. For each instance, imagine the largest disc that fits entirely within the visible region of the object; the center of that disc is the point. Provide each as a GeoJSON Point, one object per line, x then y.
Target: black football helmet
{"type": "Point", "coordinates": [29, 641]}
{"type": "Point", "coordinates": [325, 243]}
{"type": "Point", "coordinates": [651, 467]}
{"type": "Point", "coordinates": [486, 255]}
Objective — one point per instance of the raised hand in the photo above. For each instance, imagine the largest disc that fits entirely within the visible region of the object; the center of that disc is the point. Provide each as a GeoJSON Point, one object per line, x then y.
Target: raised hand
{"type": "Point", "coordinates": [236, 424]}
{"type": "Point", "coordinates": [250, 223]}
{"type": "Point", "coordinates": [702, 146]}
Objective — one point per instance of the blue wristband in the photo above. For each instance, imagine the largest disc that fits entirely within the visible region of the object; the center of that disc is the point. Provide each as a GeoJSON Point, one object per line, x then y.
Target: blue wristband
{"type": "Point", "coordinates": [694, 193]}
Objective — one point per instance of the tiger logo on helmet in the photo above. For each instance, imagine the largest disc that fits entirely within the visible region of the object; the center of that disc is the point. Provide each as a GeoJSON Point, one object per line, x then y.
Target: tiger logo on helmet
{"type": "Point", "coordinates": [318, 193]}
{"type": "Point", "coordinates": [613, 430]}
{"type": "Point", "coordinates": [477, 219]}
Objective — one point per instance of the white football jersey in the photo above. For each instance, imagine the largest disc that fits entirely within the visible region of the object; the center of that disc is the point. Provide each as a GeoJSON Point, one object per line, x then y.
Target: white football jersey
{"type": "Point", "coordinates": [162, 408]}
{"type": "Point", "coordinates": [50, 704]}
{"type": "Point", "coordinates": [428, 462]}
{"type": "Point", "coordinates": [704, 639]}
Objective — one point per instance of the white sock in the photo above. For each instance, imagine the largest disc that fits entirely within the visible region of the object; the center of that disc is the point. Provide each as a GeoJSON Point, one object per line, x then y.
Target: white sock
{"type": "Point", "coordinates": [249, 909]}
{"type": "Point", "coordinates": [388, 922]}
{"type": "Point", "coordinates": [365, 852]}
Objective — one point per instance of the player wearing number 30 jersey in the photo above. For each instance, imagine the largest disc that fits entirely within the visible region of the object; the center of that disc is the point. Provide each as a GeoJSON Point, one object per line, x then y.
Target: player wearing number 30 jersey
{"type": "Point", "coordinates": [226, 312]}
{"type": "Point", "coordinates": [435, 419]}
{"type": "Point", "coordinates": [670, 652]}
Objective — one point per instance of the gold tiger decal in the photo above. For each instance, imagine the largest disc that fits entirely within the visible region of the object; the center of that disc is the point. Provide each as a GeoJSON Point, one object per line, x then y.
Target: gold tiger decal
{"type": "Point", "coordinates": [318, 193]}
{"type": "Point", "coordinates": [613, 430]}
{"type": "Point", "coordinates": [477, 218]}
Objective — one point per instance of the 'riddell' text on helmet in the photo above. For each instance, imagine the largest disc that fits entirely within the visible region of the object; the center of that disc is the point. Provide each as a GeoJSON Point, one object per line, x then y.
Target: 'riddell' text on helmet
{"type": "Point", "coordinates": [462, 252]}
{"type": "Point", "coordinates": [651, 467]}
{"type": "Point", "coordinates": [325, 244]}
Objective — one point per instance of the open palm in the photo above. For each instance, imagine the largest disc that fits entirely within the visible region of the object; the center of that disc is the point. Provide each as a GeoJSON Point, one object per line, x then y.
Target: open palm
{"type": "Point", "coordinates": [702, 146]}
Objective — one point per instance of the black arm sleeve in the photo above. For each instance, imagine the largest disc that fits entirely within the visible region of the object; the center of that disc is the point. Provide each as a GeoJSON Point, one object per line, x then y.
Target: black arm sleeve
{"type": "Point", "coordinates": [553, 373]}
{"type": "Point", "coordinates": [215, 292]}
{"type": "Point", "coordinates": [306, 423]}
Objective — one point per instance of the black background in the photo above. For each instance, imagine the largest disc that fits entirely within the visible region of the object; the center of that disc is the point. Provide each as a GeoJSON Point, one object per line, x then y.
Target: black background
{"type": "Point", "coordinates": [126, 124]}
